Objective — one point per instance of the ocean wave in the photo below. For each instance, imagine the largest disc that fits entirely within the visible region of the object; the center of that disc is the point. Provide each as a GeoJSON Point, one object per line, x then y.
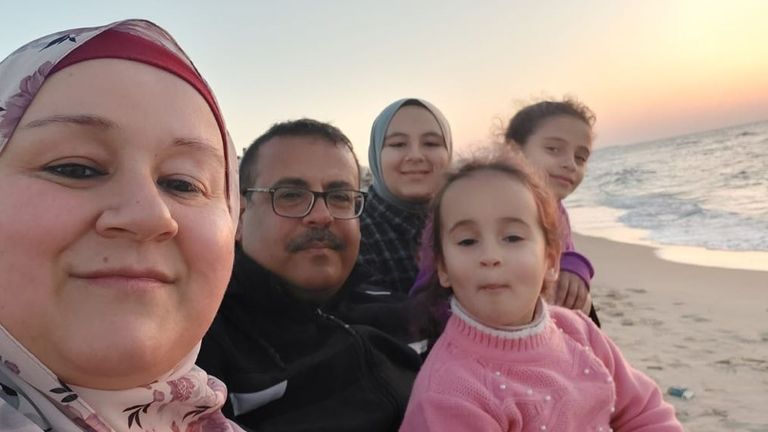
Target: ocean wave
{"type": "Point", "coordinates": [706, 190]}
{"type": "Point", "coordinates": [617, 182]}
{"type": "Point", "coordinates": [674, 221]}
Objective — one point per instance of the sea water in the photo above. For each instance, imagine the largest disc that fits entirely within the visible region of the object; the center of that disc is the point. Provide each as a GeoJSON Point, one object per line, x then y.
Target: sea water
{"type": "Point", "coordinates": [700, 193]}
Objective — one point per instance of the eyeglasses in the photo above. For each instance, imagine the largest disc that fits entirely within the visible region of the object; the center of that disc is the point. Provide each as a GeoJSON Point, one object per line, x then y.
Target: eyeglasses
{"type": "Point", "coordinates": [293, 202]}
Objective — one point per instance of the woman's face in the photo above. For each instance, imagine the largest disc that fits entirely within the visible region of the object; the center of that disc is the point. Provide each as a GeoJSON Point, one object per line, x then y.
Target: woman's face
{"type": "Point", "coordinates": [115, 236]}
{"type": "Point", "coordinates": [414, 154]}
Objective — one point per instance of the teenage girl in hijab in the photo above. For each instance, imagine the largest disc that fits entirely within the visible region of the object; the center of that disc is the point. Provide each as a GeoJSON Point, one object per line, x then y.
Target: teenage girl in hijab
{"type": "Point", "coordinates": [117, 219]}
{"type": "Point", "coordinates": [410, 150]}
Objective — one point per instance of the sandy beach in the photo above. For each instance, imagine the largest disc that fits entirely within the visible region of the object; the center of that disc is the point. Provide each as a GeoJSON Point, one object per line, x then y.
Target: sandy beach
{"type": "Point", "coordinates": [703, 328]}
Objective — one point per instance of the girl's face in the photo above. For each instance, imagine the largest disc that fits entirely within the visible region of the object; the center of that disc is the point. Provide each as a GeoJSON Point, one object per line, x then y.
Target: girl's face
{"type": "Point", "coordinates": [493, 248]}
{"type": "Point", "coordinates": [560, 146]}
{"type": "Point", "coordinates": [414, 155]}
{"type": "Point", "coordinates": [115, 236]}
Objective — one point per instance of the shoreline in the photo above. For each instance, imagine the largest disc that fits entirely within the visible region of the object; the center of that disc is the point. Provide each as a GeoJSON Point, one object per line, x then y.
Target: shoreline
{"type": "Point", "coordinates": [602, 223]}
{"type": "Point", "coordinates": [703, 328]}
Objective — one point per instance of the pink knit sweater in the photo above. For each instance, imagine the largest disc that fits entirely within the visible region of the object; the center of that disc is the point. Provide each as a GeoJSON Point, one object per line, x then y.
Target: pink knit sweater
{"type": "Point", "coordinates": [561, 374]}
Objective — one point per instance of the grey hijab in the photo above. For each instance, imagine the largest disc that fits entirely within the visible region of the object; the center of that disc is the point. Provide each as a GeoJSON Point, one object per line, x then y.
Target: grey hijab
{"type": "Point", "coordinates": [379, 132]}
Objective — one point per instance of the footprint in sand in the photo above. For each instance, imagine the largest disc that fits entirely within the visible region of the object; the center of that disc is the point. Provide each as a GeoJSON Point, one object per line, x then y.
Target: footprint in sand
{"type": "Point", "coordinates": [715, 412]}
{"type": "Point", "coordinates": [745, 339]}
{"type": "Point", "coordinates": [732, 424]}
{"type": "Point", "coordinates": [615, 295]}
{"type": "Point", "coordinates": [638, 290]}
{"type": "Point", "coordinates": [696, 318]}
{"type": "Point", "coordinates": [725, 332]}
{"type": "Point", "coordinates": [757, 364]}
{"type": "Point", "coordinates": [733, 363]}
{"type": "Point", "coordinates": [678, 364]}
{"type": "Point", "coordinates": [652, 322]}
{"type": "Point", "coordinates": [682, 414]}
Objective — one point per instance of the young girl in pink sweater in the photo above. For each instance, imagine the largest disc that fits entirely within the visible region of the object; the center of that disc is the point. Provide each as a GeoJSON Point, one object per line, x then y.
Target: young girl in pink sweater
{"type": "Point", "coordinates": [555, 136]}
{"type": "Point", "coordinates": [507, 361]}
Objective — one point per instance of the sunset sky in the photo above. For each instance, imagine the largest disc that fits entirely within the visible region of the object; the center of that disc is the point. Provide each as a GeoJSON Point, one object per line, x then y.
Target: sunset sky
{"type": "Point", "coordinates": [649, 69]}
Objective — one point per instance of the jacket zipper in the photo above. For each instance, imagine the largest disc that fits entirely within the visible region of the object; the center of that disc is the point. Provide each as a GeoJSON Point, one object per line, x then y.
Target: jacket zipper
{"type": "Point", "coordinates": [367, 358]}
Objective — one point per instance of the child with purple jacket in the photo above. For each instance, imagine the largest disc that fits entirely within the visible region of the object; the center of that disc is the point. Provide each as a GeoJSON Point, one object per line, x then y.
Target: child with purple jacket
{"type": "Point", "coordinates": [556, 138]}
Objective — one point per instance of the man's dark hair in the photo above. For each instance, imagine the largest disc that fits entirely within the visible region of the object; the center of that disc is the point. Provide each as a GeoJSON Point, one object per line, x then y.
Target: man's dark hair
{"type": "Point", "coordinates": [295, 128]}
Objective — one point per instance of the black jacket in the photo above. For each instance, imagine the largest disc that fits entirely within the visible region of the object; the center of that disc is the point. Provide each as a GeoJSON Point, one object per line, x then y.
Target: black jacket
{"type": "Point", "coordinates": [291, 366]}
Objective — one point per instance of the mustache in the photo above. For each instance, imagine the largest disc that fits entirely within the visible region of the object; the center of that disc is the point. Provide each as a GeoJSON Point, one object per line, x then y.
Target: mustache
{"type": "Point", "coordinates": [313, 236]}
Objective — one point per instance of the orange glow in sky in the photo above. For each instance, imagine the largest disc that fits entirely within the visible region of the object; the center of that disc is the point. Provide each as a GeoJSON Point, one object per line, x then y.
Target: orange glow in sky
{"type": "Point", "coordinates": [649, 69]}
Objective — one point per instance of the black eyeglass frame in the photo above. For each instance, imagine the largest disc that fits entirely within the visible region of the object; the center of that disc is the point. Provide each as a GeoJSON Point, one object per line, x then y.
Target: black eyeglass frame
{"type": "Point", "coordinates": [315, 195]}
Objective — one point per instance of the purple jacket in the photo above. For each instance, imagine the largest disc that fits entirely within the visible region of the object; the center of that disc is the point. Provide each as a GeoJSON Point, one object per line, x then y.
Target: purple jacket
{"type": "Point", "coordinates": [570, 260]}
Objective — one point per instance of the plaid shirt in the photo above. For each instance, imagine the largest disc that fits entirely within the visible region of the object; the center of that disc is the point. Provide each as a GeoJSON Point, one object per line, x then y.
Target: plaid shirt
{"type": "Point", "coordinates": [389, 243]}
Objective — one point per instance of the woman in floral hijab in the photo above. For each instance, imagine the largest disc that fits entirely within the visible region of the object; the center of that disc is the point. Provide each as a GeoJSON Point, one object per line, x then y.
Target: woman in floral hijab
{"type": "Point", "coordinates": [117, 220]}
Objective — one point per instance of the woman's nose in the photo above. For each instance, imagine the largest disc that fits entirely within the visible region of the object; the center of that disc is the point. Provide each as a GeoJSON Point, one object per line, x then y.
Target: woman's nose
{"type": "Point", "coordinates": [137, 211]}
{"type": "Point", "coordinates": [415, 153]}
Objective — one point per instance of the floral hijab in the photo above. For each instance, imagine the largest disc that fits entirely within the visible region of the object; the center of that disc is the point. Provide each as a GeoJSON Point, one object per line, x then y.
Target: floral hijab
{"type": "Point", "coordinates": [379, 133]}
{"type": "Point", "coordinates": [32, 398]}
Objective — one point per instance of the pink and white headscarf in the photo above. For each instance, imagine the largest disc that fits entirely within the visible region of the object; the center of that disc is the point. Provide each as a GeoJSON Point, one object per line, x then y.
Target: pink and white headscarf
{"type": "Point", "coordinates": [32, 398]}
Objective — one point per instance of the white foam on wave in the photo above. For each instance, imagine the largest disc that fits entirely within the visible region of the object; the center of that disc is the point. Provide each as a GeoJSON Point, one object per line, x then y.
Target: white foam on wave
{"type": "Point", "coordinates": [604, 222]}
{"type": "Point", "coordinates": [741, 260]}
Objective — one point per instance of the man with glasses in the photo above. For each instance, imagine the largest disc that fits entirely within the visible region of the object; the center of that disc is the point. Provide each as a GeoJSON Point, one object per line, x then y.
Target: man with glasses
{"type": "Point", "coordinates": [301, 342]}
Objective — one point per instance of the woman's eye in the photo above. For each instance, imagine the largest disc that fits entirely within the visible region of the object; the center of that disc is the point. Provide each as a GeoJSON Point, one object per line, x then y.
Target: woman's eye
{"type": "Point", "coordinates": [74, 171]}
{"type": "Point", "coordinates": [466, 242]}
{"type": "Point", "coordinates": [512, 238]}
{"type": "Point", "coordinates": [433, 144]}
{"type": "Point", "coordinates": [180, 186]}
{"type": "Point", "coordinates": [552, 149]}
{"type": "Point", "coordinates": [396, 144]}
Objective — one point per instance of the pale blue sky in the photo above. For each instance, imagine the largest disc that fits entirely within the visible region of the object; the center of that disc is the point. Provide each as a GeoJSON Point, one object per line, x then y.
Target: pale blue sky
{"type": "Point", "coordinates": [649, 69]}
